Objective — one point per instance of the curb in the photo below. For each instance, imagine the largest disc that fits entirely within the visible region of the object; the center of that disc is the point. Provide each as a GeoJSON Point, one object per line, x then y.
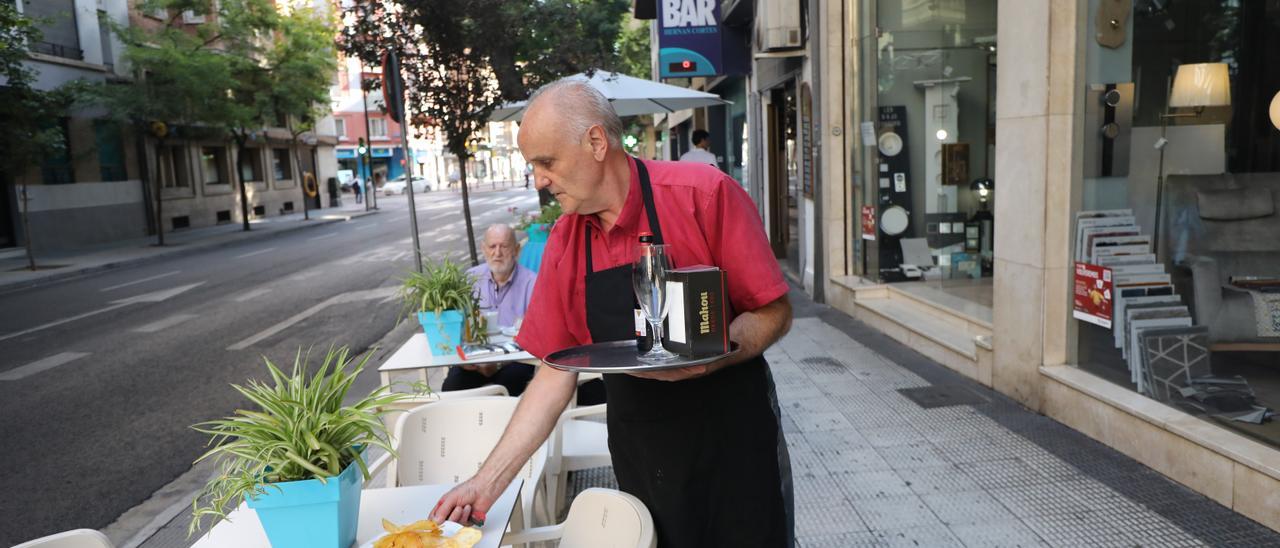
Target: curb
{"type": "Point", "coordinates": [177, 252]}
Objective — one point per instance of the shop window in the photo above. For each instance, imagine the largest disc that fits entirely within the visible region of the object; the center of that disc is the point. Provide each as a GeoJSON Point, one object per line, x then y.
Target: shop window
{"type": "Point", "coordinates": [927, 194]}
{"type": "Point", "coordinates": [251, 165]}
{"type": "Point", "coordinates": [1177, 264]}
{"type": "Point", "coordinates": [173, 166]}
{"type": "Point", "coordinates": [110, 146]}
{"type": "Point", "coordinates": [213, 165]}
{"type": "Point", "coordinates": [280, 163]}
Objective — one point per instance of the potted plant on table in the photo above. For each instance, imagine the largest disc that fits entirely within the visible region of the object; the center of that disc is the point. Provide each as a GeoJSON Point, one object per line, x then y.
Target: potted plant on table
{"type": "Point", "coordinates": [443, 298]}
{"type": "Point", "coordinates": [538, 225]}
{"type": "Point", "coordinates": [298, 460]}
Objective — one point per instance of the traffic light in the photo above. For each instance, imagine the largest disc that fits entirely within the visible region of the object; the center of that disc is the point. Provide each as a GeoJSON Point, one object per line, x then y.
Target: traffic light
{"type": "Point", "coordinates": [361, 148]}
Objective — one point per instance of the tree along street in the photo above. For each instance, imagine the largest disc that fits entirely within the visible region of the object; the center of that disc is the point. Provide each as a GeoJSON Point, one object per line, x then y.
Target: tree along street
{"type": "Point", "coordinates": [101, 377]}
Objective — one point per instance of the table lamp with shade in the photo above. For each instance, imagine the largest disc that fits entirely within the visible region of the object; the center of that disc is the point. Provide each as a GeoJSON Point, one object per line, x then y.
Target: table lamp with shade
{"type": "Point", "coordinates": [1275, 110]}
{"type": "Point", "coordinates": [1195, 86]}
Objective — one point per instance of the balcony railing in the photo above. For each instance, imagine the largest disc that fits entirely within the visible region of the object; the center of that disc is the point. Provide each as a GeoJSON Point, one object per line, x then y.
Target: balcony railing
{"type": "Point", "coordinates": [58, 50]}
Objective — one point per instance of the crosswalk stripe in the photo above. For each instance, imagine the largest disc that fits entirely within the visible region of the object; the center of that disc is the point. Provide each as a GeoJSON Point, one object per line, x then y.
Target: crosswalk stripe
{"type": "Point", "coordinates": [41, 365]}
{"type": "Point", "coordinates": [165, 323]}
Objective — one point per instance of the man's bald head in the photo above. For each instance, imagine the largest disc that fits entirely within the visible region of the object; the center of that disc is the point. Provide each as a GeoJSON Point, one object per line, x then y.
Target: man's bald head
{"type": "Point", "coordinates": [500, 232]}
{"type": "Point", "coordinates": [575, 106]}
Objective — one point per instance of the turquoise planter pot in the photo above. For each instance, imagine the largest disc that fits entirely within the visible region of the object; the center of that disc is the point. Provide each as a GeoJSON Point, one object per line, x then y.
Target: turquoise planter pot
{"type": "Point", "coordinates": [310, 514]}
{"type": "Point", "coordinates": [444, 331]}
{"type": "Point", "coordinates": [538, 232]}
{"type": "Point", "coordinates": [531, 253]}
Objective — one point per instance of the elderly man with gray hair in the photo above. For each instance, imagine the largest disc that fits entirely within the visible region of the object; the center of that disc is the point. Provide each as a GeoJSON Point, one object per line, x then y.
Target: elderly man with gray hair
{"type": "Point", "coordinates": [700, 445]}
{"type": "Point", "coordinates": [505, 287]}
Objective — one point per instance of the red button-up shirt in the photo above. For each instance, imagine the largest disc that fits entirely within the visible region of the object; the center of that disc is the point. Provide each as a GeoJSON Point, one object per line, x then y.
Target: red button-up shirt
{"type": "Point", "coordinates": [706, 219]}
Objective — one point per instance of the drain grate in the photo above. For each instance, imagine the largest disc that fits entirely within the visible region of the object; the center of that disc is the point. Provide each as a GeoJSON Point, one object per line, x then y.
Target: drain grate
{"type": "Point", "coordinates": [822, 361]}
{"type": "Point", "coordinates": [930, 397]}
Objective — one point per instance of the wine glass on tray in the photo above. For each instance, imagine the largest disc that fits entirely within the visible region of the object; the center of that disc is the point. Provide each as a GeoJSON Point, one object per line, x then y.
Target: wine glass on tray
{"type": "Point", "coordinates": [649, 279]}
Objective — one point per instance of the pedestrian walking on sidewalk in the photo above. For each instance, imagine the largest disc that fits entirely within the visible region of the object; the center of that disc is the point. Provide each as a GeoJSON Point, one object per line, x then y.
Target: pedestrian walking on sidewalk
{"type": "Point", "coordinates": [358, 188]}
{"type": "Point", "coordinates": [701, 446]}
{"type": "Point", "coordinates": [701, 151]}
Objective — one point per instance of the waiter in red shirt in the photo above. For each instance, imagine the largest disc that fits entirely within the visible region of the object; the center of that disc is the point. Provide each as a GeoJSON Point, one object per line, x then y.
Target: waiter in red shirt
{"type": "Point", "coordinates": [701, 445]}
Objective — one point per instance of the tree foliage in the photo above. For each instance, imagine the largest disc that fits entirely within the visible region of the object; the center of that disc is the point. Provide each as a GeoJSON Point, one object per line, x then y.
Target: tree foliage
{"type": "Point", "coordinates": [29, 134]}
{"type": "Point", "coordinates": [233, 75]}
{"type": "Point", "coordinates": [461, 59]}
{"type": "Point", "coordinates": [30, 115]}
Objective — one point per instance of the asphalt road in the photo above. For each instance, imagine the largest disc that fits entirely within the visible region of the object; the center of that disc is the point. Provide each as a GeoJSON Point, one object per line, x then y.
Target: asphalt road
{"type": "Point", "coordinates": [101, 377]}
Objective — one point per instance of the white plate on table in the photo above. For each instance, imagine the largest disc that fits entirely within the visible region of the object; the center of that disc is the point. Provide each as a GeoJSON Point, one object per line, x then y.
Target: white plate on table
{"type": "Point", "coordinates": [450, 529]}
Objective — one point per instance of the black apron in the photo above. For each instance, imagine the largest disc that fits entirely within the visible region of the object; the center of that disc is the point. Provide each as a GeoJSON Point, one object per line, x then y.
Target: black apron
{"type": "Point", "coordinates": [706, 455]}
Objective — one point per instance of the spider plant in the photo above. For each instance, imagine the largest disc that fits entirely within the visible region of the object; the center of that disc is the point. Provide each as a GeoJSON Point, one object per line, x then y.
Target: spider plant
{"type": "Point", "coordinates": [301, 430]}
{"type": "Point", "coordinates": [441, 286]}
{"type": "Point", "coordinates": [547, 215]}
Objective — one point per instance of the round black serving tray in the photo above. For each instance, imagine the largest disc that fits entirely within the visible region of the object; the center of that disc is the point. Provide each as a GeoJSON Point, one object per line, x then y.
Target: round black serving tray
{"type": "Point", "coordinates": [618, 357]}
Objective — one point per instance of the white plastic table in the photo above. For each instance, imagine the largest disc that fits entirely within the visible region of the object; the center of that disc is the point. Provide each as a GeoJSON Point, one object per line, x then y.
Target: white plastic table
{"type": "Point", "coordinates": [401, 505]}
{"type": "Point", "coordinates": [415, 355]}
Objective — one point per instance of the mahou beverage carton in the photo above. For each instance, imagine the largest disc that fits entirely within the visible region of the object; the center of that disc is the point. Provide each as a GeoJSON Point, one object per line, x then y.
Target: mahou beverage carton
{"type": "Point", "coordinates": [696, 312]}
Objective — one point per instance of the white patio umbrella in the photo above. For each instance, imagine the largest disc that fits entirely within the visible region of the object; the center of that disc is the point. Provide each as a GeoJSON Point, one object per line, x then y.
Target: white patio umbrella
{"type": "Point", "coordinates": [630, 97]}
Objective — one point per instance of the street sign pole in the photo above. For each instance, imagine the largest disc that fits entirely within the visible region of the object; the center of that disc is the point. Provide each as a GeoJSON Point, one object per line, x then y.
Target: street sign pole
{"type": "Point", "coordinates": [393, 97]}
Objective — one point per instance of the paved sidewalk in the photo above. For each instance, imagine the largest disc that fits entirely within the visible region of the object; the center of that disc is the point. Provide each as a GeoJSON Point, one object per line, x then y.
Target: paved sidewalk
{"type": "Point", "coordinates": [874, 468]}
{"type": "Point", "coordinates": [71, 263]}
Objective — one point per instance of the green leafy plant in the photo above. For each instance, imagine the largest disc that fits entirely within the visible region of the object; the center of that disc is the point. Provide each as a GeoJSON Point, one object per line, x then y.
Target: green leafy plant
{"type": "Point", "coordinates": [444, 285]}
{"type": "Point", "coordinates": [547, 216]}
{"type": "Point", "coordinates": [301, 430]}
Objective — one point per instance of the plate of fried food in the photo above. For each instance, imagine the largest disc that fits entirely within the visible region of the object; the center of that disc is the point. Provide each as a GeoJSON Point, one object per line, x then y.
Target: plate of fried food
{"type": "Point", "coordinates": [425, 534]}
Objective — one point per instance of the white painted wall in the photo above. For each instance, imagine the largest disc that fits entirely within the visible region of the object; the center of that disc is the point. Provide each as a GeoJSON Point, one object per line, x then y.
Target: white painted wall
{"type": "Point", "coordinates": [78, 195]}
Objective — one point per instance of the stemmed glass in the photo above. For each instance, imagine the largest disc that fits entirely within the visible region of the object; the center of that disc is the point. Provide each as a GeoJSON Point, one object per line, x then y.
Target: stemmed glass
{"type": "Point", "coordinates": [649, 279]}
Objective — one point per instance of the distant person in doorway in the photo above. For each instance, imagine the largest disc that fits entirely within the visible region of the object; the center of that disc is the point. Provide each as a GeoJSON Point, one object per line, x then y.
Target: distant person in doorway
{"type": "Point", "coordinates": [701, 152]}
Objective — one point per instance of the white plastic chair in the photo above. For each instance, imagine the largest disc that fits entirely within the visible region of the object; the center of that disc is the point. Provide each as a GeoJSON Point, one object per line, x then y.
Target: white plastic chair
{"type": "Point", "coordinates": [397, 409]}
{"type": "Point", "coordinates": [576, 444]}
{"type": "Point", "coordinates": [599, 518]}
{"type": "Point", "coordinates": [77, 538]}
{"type": "Point", "coordinates": [447, 441]}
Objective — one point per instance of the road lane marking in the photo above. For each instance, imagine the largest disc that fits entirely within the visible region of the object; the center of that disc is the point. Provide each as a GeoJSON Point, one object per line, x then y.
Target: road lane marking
{"type": "Point", "coordinates": [306, 275]}
{"type": "Point", "coordinates": [349, 297]}
{"type": "Point", "coordinates": [258, 252]}
{"type": "Point", "coordinates": [41, 365]}
{"type": "Point", "coordinates": [153, 297]}
{"type": "Point", "coordinates": [252, 294]}
{"type": "Point", "coordinates": [144, 280]}
{"type": "Point", "coordinates": [322, 236]}
{"type": "Point", "coordinates": [165, 323]}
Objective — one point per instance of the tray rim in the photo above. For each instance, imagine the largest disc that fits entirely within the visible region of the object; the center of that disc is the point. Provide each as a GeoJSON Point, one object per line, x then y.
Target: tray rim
{"type": "Point", "coordinates": [638, 367]}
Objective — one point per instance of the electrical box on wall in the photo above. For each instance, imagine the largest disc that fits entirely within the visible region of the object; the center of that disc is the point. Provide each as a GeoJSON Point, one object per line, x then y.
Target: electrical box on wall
{"type": "Point", "coordinates": [778, 25]}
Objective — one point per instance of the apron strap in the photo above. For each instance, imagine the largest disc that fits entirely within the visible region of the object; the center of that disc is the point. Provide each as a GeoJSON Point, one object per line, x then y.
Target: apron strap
{"type": "Point", "coordinates": [647, 191]}
{"type": "Point", "coordinates": [590, 269]}
{"type": "Point", "coordinates": [651, 211]}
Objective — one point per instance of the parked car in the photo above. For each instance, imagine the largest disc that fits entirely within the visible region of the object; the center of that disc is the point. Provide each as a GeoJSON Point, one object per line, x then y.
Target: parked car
{"type": "Point", "coordinates": [346, 178]}
{"type": "Point", "coordinates": [397, 186]}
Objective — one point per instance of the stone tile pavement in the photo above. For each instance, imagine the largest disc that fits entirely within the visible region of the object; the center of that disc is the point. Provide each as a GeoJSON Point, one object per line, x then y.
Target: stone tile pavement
{"type": "Point", "coordinates": [874, 468]}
